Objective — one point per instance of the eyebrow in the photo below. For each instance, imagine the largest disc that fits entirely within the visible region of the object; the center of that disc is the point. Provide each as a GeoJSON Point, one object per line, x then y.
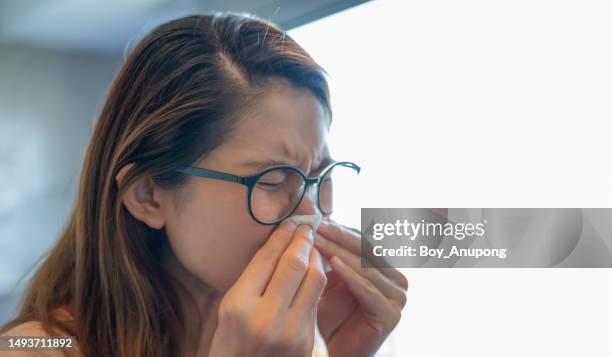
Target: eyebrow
{"type": "Point", "coordinates": [260, 165]}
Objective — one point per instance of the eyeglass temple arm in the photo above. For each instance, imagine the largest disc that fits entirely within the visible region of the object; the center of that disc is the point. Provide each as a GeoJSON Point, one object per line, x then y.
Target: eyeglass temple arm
{"type": "Point", "coordinates": [350, 164]}
{"type": "Point", "coordinates": [198, 171]}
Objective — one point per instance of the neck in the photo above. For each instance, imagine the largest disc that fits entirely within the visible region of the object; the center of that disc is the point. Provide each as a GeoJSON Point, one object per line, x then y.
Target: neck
{"type": "Point", "coordinates": [199, 302]}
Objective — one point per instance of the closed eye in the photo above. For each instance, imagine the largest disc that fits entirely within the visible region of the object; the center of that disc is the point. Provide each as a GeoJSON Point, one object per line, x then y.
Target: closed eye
{"type": "Point", "coordinates": [269, 183]}
{"type": "Point", "coordinates": [269, 186]}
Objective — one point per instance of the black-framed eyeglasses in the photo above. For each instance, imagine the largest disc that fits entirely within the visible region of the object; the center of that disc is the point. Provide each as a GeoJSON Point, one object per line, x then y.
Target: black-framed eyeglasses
{"type": "Point", "coordinates": [274, 193]}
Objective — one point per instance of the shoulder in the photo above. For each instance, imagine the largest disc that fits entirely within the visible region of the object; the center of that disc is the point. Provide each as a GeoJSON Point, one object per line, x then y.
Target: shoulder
{"type": "Point", "coordinates": [29, 328]}
{"type": "Point", "coordinates": [36, 329]}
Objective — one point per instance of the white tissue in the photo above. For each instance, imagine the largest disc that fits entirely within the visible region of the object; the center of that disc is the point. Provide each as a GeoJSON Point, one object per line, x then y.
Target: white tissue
{"type": "Point", "coordinates": [313, 220]}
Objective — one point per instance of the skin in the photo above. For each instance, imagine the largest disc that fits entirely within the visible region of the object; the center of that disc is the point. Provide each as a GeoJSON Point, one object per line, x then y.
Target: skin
{"type": "Point", "coordinates": [258, 288]}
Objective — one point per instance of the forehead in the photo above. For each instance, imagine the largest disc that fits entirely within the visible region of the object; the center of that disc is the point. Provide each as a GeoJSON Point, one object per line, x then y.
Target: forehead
{"type": "Point", "coordinates": [285, 123]}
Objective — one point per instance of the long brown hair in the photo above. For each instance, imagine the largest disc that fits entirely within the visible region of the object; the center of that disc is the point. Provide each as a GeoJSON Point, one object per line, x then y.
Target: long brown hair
{"type": "Point", "coordinates": [177, 96]}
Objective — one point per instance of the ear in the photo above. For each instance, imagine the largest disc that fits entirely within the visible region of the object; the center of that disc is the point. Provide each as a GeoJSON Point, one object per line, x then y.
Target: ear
{"type": "Point", "coordinates": [143, 199]}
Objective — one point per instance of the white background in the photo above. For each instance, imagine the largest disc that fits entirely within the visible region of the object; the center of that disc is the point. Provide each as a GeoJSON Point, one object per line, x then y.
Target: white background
{"type": "Point", "coordinates": [479, 104]}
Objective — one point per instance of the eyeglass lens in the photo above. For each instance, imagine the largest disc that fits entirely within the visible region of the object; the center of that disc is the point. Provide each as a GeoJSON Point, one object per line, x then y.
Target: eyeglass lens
{"type": "Point", "coordinates": [278, 192]}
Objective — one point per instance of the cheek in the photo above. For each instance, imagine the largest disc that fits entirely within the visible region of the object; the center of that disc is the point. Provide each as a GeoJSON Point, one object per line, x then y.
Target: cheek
{"type": "Point", "coordinates": [213, 236]}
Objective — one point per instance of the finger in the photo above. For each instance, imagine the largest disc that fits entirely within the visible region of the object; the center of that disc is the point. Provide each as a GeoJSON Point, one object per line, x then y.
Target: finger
{"type": "Point", "coordinates": [258, 272]}
{"type": "Point", "coordinates": [397, 276]}
{"type": "Point", "coordinates": [342, 235]}
{"type": "Point", "coordinates": [388, 287]}
{"type": "Point", "coordinates": [351, 238]}
{"type": "Point", "coordinates": [335, 306]}
{"type": "Point", "coordinates": [370, 298]}
{"type": "Point", "coordinates": [291, 269]}
{"type": "Point", "coordinates": [312, 286]}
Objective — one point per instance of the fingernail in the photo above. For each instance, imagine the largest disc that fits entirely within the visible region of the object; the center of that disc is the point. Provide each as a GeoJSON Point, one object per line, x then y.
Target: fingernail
{"type": "Point", "coordinates": [326, 224]}
{"type": "Point", "coordinates": [337, 259]}
{"type": "Point", "coordinates": [290, 225]}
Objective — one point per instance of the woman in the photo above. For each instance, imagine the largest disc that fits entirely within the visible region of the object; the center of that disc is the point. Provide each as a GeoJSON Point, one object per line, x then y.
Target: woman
{"type": "Point", "coordinates": [163, 257]}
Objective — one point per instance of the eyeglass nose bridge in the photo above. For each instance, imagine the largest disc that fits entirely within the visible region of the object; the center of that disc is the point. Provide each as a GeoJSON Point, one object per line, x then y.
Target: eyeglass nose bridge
{"type": "Point", "coordinates": [308, 182]}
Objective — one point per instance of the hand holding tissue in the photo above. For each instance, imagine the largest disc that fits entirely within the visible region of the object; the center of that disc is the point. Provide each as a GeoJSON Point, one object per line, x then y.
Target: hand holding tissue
{"type": "Point", "coordinates": [313, 220]}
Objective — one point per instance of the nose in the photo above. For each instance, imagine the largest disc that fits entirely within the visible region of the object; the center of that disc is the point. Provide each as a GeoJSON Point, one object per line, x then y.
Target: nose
{"type": "Point", "coordinates": [308, 205]}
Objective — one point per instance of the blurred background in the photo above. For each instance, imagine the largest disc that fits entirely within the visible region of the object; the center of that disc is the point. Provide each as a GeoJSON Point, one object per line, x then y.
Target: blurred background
{"type": "Point", "coordinates": [443, 104]}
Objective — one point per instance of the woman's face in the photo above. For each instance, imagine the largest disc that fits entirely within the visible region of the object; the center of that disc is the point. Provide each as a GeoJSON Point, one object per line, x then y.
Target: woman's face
{"type": "Point", "coordinates": [209, 227]}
